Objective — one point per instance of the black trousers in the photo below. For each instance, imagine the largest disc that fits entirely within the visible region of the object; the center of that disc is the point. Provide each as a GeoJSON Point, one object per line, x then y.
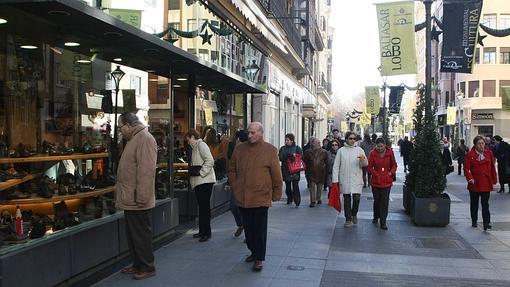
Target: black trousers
{"type": "Point", "coordinates": [501, 175]}
{"type": "Point", "coordinates": [255, 230]}
{"type": "Point", "coordinates": [460, 166]}
{"type": "Point", "coordinates": [381, 202]}
{"type": "Point", "coordinates": [486, 215]}
{"type": "Point", "coordinates": [406, 161]}
{"type": "Point", "coordinates": [203, 194]}
{"type": "Point", "coordinates": [351, 210]}
{"type": "Point", "coordinates": [139, 239]}
{"type": "Point", "coordinates": [292, 192]}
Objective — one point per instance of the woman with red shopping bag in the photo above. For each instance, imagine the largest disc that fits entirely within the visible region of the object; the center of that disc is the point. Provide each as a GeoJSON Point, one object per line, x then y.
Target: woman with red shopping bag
{"type": "Point", "coordinates": [382, 166]}
{"type": "Point", "coordinates": [291, 157]}
{"type": "Point", "coordinates": [334, 197]}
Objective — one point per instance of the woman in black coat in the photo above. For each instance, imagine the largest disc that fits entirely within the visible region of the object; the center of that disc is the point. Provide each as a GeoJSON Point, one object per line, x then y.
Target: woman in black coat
{"type": "Point", "coordinates": [446, 157]}
{"type": "Point", "coordinates": [291, 180]}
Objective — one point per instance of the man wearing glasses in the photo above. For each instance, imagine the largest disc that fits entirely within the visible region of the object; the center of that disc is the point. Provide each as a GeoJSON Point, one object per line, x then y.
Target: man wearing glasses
{"type": "Point", "coordinates": [347, 171]}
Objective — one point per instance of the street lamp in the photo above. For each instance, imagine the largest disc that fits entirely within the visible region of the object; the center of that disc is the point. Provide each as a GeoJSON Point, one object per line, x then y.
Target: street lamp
{"type": "Point", "coordinates": [460, 96]}
{"type": "Point", "coordinates": [117, 75]}
{"type": "Point", "coordinates": [385, 134]}
{"type": "Point", "coordinates": [251, 70]}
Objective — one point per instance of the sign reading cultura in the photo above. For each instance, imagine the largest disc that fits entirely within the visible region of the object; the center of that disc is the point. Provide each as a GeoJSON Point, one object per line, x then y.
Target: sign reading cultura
{"type": "Point", "coordinates": [396, 38]}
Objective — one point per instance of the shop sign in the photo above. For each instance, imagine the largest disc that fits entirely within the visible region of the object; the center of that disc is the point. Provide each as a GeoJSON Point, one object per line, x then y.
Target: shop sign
{"type": "Point", "coordinates": [208, 116]}
{"type": "Point", "coordinates": [132, 17]}
{"type": "Point", "coordinates": [482, 116]}
{"type": "Point", "coordinates": [450, 116]}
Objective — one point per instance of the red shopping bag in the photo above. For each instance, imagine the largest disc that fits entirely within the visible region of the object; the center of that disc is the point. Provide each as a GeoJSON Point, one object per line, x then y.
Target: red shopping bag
{"type": "Point", "coordinates": [295, 164]}
{"type": "Point", "coordinates": [334, 197]}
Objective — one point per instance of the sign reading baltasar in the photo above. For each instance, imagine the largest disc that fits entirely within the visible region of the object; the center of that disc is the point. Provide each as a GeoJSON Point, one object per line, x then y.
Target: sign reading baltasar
{"type": "Point", "coordinates": [396, 38]}
{"type": "Point", "coordinates": [460, 30]}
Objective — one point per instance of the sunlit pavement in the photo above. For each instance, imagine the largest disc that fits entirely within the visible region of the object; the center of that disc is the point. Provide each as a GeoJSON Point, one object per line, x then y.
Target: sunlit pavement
{"type": "Point", "coordinates": [310, 247]}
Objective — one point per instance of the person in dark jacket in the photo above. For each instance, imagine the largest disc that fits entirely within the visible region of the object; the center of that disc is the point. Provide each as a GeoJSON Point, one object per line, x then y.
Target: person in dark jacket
{"type": "Point", "coordinates": [382, 166]}
{"type": "Point", "coordinates": [460, 154]}
{"type": "Point", "coordinates": [239, 137]}
{"type": "Point", "coordinates": [502, 154]}
{"type": "Point", "coordinates": [480, 173]}
{"type": "Point", "coordinates": [367, 145]}
{"type": "Point", "coordinates": [405, 151]}
{"type": "Point", "coordinates": [335, 146]}
{"type": "Point", "coordinates": [446, 157]}
{"type": "Point", "coordinates": [286, 153]}
{"type": "Point", "coordinates": [317, 162]}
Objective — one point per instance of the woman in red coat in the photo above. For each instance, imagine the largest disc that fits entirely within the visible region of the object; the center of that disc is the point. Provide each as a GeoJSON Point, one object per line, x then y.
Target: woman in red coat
{"type": "Point", "coordinates": [481, 176]}
{"type": "Point", "coordinates": [382, 166]}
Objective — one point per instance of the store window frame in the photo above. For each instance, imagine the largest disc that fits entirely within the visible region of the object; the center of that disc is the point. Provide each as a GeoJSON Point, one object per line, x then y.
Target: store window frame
{"type": "Point", "coordinates": [504, 55]}
{"type": "Point", "coordinates": [489, 55]}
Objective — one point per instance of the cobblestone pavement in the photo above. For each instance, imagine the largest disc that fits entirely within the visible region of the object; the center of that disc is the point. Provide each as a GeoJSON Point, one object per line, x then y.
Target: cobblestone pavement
{"type": "Point", "coordinates": [310, 247]}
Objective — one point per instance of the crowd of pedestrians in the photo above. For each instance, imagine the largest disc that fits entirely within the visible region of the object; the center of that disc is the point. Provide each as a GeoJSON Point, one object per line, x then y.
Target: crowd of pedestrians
{"type": "Point", "coordinates": [256, 171]}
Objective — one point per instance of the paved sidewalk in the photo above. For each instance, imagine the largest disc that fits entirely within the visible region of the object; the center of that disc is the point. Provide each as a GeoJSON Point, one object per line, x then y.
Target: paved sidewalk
{"type": "Point", "coordinates": [310, 247]}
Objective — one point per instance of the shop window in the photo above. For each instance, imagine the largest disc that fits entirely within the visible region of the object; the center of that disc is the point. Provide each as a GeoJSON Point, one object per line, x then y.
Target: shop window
{"type": "Point", "coordinates": [504, 93]}
{"type": "Point", "coordinates": [489, 55]}
{"type": "Point", "coordinates": [462, 87]}
{"type": "Point", "coordinates": [204, 54]}
{"type": "Point", "coordinates": [489, 88]}
{"type": "Point", "coordinates": [489, 20]}
{"type": "Point", "coordinates": [487, 131]}
{"type": "Point", "coordinates": [504, 55]}
{"type": "Point", "coordinates": [473, 89]}
{"type": "Point", "coordinates": [174, 4]}
{"type": "Point", "coordinates": [504, 21]}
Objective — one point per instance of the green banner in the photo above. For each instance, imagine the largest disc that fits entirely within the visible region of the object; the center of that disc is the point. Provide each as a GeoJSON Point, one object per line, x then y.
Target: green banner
{"type": "Point", "coordinates": [132, 17]}
{"type": "Point", "coordinates": [396, 38]}
{"type": "Point", "coordinates": [373, 100]}
{"type": "Point", "coordinates": [505, 98]}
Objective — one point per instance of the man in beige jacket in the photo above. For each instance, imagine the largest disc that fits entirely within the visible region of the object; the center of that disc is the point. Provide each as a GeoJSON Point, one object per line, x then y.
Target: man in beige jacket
{"type": "Point", "coordinates": [135, 193]}
{"type": "Point", "coordinates": [256, 179]}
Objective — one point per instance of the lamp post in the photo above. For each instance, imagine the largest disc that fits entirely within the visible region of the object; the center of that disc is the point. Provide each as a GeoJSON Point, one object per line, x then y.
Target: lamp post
{"type": "Point", "coordinates": [117, 75]}
{"type": "Point", "coordinates": [460, 96]}
{"type": "Point", "coordinates": [384, 132]}
{"type": "Point", "coordinates": [428, 59]}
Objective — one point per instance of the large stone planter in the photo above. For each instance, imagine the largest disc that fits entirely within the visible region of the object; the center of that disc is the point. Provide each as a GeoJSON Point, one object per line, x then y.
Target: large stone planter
{"type": "Point", "coordinates": [430, 211]}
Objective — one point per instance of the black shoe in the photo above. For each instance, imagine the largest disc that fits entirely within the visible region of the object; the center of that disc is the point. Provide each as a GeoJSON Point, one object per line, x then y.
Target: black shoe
{"type": "Point", "coordinates": [204, 238]}
{"type": "Point", "coordinates": [384, 227]}
{"type": "Point", "coordinates": [374, 220]}
{"type": "Point", "coordinates": [312, 204]}
{"type": "Point", "coordinates": [474, 225]}
{"type": "Point", "coordinates": [501, 191]}
{"type": "Point", "coordinates": [485, 227]}
{"type": "Point", "coordinates": [197, 235]}
{"type": "Point", "coordinates": [250, 258]}
{"type": "Point", "coordinates": [319, 202]}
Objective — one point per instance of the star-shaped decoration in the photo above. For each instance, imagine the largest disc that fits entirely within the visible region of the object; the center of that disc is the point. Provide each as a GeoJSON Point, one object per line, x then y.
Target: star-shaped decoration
{"type": "Point", "coordinates": [435, 33]}
{"type": "Point", "coordinates": [172, 40]}
{"type": "Point", "coordinates": [206, 38]}
{"type": "Point", "coordinates": [480, 39]}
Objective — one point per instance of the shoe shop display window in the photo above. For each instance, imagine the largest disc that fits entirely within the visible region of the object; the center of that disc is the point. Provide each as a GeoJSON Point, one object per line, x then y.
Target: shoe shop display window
{"type": "Point", "coordinates": [57, 125]}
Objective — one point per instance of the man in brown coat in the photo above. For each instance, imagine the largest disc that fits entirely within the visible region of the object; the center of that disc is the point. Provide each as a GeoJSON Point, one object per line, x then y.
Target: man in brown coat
{"type": "Point", "coordinates": [134, 192]}
{"type": "Point", "coordinates": [256, 179]}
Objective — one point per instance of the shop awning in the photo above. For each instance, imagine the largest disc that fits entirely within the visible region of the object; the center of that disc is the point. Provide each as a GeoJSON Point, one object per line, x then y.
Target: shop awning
{"type": "Point", "coordinates": [258, 19]}
{"type": "Point", "coordinates": [58, 21]}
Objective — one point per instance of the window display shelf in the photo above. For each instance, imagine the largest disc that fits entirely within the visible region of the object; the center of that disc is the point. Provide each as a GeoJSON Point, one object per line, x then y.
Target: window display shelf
{"type": "Point", "coordinates": [53, 158]}
{"type": "Point", "coordinates": [13, 182]}
{"type": "Point", "coordinates": [182, 167]}
{"type": "Point", "coordinates": [78, 195]}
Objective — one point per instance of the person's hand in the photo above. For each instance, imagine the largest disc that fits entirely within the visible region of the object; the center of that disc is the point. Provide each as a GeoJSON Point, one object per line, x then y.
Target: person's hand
{"type": "Point", "coordinates": [361, 157]}
{"type": "Point", "coordinates": [471, 181]}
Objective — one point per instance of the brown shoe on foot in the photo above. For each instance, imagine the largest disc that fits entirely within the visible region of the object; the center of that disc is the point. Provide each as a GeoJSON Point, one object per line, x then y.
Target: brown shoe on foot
{"type": "Point", "coordinates": [257, 266]}
{"type": "Point", "coordinates": [250, 258]}
{"type": "Point", "coordinates": [143, 275]}
{"type": "Point", "coordinates": [128, 270]}
{"type": "Point", "coordinates": [239, 231]}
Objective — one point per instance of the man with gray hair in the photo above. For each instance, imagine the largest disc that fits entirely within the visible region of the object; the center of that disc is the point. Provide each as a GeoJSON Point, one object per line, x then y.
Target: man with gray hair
{"type": "Point", "coordinates": [255, 178]}
{"type": "Point", "coordinates": [134, 192]}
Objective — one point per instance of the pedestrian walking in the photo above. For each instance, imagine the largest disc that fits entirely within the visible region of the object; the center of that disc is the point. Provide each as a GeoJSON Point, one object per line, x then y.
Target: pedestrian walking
{"type": "Point", "coordinates": [335, 146]}
{"type": "Point", "coordinates": [480, 173]}
{"type": "Point", "coordinates": [135, 194]}
{"type": "Point", "coordinates": [286, 153]}
{"type": "Point", "coordinates": [202, 178]}
{"type": "Point", "coordinates": [255, 177]}
{"type": "Point", "coordinates": [239, 137]}
{"type": "Point", "coordinates": [460, 154]}
{"type": "Point", "coordinates": [502, 154]}
{"type": "Point", "coordinates": [326, 144]}
{"type": "Point", "coordinates": [367, 145]}
{"type": "Point", "coordinates": [316, 161]}
{"type": "Point", "coordinates": [405, 151]}
{"type": "Point", "coordinates": [383, 166]}
{"type": "Point", "coordinates": [446, 157]}
{"type": "Point", "coordinates": [347, 172]}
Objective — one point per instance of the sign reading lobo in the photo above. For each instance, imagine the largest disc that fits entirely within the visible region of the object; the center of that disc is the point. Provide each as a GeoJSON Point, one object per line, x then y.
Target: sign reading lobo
{"type": "Point", "coordinates": [460, 30]}
{"type": "Point", "coordinates": [396, 38]}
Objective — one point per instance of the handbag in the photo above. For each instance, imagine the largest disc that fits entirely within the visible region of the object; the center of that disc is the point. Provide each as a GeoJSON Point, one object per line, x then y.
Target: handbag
{"type": "Point", "coordinates": [296, 164]}
{"type": "Point", "coordinates": [193, 170]}
{"type": "Point", "coordinates": [334, 197]}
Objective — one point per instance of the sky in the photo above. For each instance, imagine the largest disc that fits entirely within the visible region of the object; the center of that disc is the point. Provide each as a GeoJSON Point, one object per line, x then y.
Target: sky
{"type": "Point", "coordinates": [356, 49]}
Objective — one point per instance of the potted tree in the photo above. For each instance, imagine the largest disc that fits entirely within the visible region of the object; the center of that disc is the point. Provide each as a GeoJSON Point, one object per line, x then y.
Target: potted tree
{"type": "Point", "coordinates": [425, 183]}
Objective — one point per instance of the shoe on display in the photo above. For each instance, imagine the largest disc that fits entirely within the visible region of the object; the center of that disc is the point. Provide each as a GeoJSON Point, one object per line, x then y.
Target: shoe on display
{"type": "Point", "coordinates": [38, 228]}
{"type": "Point", "coordinates": [12, 173]}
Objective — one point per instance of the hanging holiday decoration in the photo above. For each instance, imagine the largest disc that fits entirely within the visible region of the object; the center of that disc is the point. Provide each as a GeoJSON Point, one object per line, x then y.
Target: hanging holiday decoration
{"type": "Point", "coordinates": [480, 39]}
{"type": "Point", "coordinates": [495, 32]}
{"type": "Point", "coordinates": [206, 38]}
{"type": "Point", "coordinates": [435, 33]}
{"type": "Point", "coordinates": [223, 30]}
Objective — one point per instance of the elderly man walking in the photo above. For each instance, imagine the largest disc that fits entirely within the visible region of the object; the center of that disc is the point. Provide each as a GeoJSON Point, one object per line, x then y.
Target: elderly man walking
{"type": "Point", "coordinates": [256, 179]}
{"type": "Point", "coordinates": [135, 193]}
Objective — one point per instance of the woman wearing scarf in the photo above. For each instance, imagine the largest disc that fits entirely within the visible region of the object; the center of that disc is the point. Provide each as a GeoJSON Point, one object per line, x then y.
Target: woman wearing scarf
{"type": "Point", "coordinates": [480, 173]}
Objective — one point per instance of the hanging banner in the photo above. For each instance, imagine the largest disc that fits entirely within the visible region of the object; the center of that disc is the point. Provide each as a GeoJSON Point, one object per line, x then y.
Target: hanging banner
{"type": "Point", "coordinates": [505, 98]}
{"type": "Point", "coordinates": [395, 99]}
{"type": "Point", "coordinates": [460, 30]}
{"type": "Point", "coordinates": [132, 17]}
{"type": "Point", "coordinates": [396, 38]}
{"type": "Point", "coordinates": [373, 100]}
{"type": "Point", "coordinates": [366, 119]}
{"type": "Point", "coordinates": [343, 126]}
{"type": "Point", "coordinates": [208, 116]}
{"type": "Point", "coordinates": [450, 116]}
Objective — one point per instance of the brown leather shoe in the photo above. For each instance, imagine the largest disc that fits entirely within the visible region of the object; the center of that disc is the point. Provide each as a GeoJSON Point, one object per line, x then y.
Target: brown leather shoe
{"type": "Point", "coordinates": [143, 274]}
{"type": "Point", "coordinates": [250, 258]}
{"type": "Point", "coordinates": [128, 270]}
{"type": "Point", "coordinates": [257, 266]}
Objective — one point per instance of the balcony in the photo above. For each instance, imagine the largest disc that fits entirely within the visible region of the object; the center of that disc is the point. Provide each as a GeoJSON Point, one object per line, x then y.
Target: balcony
{"type": "Point", "coordinates": [481, 103]}
{"type": "Point", "coordinates": [278, 10]}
